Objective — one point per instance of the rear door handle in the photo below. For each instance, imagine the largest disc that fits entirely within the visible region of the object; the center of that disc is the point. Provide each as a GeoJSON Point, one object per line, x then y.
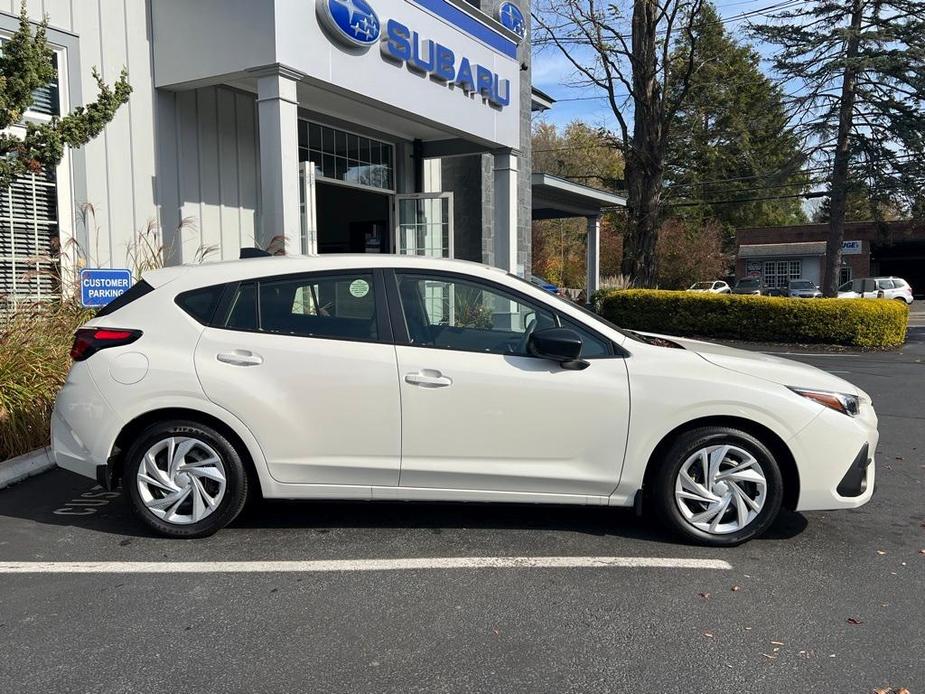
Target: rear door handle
{"type": "Point", "coordinates": [240, 357]}
{"type": "Point", "coordinates": [428, 378]}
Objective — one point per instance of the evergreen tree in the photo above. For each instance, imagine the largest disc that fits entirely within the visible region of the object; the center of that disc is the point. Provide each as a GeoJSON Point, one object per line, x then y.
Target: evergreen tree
{"type": "Point", "coordinates": [858, 68]}
{"type": "Point", "coordinates": [26, 65]}
{"type": "Point", "coordinates": [730, 138]}
{"type": "Point", "coordinates": [860, 207]}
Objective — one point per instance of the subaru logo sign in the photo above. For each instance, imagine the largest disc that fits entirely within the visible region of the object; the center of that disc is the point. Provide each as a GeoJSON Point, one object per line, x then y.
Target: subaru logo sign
{"type": "Point", "coordinates": [512, 18]}
{"type": "Point", "coordinates": [353, 22]}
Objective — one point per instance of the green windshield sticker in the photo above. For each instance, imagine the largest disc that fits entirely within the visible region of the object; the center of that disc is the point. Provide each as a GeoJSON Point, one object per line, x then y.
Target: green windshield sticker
{"type": "Point", "coordinates": [359, 288]}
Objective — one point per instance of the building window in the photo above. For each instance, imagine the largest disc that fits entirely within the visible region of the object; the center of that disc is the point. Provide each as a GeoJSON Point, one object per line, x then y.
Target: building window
{"type": "Point", "coordinates": [777, 273]}
{"type": "Point", "coordinates": [46, 101]}
{"type": "Point", "coordinates": [29, 234]}
{"type": "Point", "coordinates": [29, 240]}
{"type": "Point", "coordinates": [347, 157]}
{"type": "Point", "coordinates": [844, 274]}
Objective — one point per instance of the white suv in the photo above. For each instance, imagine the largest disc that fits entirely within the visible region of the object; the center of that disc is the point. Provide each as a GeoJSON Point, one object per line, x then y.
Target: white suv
{"type": "Point", "coordinates": [387, 377]}
{"type": "Point", "coordinates": [877, 288]}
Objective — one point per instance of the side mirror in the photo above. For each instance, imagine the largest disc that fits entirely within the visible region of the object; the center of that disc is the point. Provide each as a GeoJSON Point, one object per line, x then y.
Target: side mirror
{"type": "Point", "coordinates": [560, 345]}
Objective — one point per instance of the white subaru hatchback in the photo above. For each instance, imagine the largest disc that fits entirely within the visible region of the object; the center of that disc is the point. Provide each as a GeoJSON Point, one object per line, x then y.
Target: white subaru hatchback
{"type": "Point", "coordinates": [386, 377]}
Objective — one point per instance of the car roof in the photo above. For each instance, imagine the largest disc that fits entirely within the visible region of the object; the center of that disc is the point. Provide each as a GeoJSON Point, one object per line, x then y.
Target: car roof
{"type": "Point", "coordinates": [205, 274]}
{"type": "Point", "coordinates": [879, 277]}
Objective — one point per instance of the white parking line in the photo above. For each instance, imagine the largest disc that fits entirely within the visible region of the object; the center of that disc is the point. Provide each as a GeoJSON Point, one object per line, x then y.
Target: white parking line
{"type": "Point", "coordinates": [813, 354]}
{"type": "Point", "coordinates": [171, 567]}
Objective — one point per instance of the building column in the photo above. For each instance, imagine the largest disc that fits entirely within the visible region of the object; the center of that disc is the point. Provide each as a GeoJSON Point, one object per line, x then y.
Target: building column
{"type": "Point", "coordinates": [278, 120]}
{"type": "Point", "coordinates": [505, 213]}
{"type": "Point", "coordinates": [594, 255]}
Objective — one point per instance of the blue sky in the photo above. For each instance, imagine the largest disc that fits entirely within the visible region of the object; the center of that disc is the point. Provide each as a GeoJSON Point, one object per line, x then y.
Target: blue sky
{"type": "Point", "coordinates": [552, 73]}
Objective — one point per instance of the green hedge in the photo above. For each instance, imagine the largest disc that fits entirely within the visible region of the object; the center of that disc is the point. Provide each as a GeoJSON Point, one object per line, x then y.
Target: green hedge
{"type": "Point", "coordinates": [864, 323]}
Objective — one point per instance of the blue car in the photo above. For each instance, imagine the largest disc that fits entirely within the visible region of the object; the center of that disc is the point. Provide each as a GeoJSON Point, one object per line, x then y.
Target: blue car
{"type": "Point", "coordinates": [544, 284]}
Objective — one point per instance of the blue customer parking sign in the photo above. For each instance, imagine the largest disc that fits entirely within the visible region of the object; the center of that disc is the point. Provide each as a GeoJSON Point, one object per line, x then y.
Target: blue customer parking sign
{"type": "Point", "coordinates": [99, 286]}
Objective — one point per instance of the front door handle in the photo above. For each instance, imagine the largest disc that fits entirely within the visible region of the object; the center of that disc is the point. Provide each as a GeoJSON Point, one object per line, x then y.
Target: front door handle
{"type": "Point", "coordinates": [240, 357]}
{"type": "Point", "coordinates": [428, 378]}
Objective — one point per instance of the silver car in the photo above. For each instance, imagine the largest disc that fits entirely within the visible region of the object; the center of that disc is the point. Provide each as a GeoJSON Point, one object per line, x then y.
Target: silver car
{"type": "Point", "coordinates": [803, 289]}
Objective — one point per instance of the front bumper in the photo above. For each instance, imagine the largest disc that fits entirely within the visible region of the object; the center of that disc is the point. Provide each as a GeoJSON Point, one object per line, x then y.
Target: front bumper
{"type": "Point", "coordinates": [835, 457]}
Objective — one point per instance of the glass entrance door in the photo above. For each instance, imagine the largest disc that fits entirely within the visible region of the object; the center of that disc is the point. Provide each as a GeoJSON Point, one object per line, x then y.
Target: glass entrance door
{"type": "Point", "coordinates": [424, 224]}
{"type": "Point", "coordinates": [309, 211]}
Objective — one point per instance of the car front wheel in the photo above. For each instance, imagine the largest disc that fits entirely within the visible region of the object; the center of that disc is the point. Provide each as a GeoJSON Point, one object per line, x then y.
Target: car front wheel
{"type": "Point", "coordinates": [184, 479]}
{"type": "Point", "coordinates": [718, 486]}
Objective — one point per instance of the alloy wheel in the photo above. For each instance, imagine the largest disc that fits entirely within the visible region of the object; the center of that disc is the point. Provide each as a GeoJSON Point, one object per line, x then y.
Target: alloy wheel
{"type": "Point", "coordinates": [720, 489]}
{"type": "Point", "coordinates": [181, 480]}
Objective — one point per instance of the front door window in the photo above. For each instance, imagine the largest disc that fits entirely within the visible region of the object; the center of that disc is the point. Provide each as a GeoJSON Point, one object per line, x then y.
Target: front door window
{"type": "Point", "coordinates": [457, 314]}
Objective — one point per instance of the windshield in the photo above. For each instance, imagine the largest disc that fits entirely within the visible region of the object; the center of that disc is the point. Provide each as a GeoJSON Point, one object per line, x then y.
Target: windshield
{"type": "Point", "coordinates": [747, 284]}
{"type": "Point", "coordinates": [802, 284]}
{"type": "Point", "coordinates": [702, 285]}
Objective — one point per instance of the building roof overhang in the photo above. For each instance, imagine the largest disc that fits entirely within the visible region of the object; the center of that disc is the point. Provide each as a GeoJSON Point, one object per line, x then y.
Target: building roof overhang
{"type": "Point", "coordinates": [540, 101]}
{"type": "Point", "coordinates": [778, 250]}
{"type": "Point", "coordinates": [559, 198]}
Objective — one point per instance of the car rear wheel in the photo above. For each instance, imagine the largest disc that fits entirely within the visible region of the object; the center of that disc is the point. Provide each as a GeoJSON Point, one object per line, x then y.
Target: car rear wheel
{"type": "Point", "coordinates": [185, 479]}
{"type": "Point", "coordinates": [718, 486]}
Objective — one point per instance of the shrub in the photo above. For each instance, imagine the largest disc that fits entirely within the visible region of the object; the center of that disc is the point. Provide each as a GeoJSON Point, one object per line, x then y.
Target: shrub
{"type": "Point", "coordinates": [34, 345]}
{"type": "Point", "coordinates": [864, 323]}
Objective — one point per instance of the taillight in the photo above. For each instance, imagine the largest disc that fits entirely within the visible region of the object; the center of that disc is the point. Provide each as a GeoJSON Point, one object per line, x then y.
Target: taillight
{"type": "Point", "coordinates": [89, 341]}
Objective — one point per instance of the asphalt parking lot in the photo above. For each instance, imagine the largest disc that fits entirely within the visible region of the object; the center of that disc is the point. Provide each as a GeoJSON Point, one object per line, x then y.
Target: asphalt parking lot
{"type": "Point", "coordinates": [827, 602]}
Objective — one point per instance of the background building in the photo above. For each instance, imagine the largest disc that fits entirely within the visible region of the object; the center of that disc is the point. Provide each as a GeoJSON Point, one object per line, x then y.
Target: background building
{"type": "Point", "coordinates": [870, 249]}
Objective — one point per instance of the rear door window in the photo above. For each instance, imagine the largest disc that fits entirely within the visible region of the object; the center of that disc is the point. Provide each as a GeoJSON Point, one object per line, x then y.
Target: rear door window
{"type": "Point", "coordinates": [338, 306]}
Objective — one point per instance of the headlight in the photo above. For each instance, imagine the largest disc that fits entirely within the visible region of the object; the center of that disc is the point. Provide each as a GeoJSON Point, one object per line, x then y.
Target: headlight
{"type": "Point", "coordinates": [840, 402]}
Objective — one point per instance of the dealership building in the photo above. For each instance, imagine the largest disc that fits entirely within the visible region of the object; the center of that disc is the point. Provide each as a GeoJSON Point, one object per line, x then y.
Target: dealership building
{"type": "Point", "coordinates": [315, 126]}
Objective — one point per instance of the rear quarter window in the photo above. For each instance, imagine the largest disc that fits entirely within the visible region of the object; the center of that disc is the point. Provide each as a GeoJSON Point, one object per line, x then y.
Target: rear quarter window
{"type": "Point", "coordinates": [201, 303]}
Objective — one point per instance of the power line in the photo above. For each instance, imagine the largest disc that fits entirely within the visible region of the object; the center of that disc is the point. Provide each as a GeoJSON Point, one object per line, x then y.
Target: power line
{"type": "Point", "coordinates": [785, 4]}
{"type": "Point", "coordinates": [698, 203]}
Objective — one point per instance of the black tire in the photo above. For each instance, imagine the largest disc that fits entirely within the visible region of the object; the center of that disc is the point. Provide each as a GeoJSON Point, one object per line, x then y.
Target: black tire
{"type": "Point", "coordinates": [236, 480]}
{"type": "Point", "coordinates": [662, 493]}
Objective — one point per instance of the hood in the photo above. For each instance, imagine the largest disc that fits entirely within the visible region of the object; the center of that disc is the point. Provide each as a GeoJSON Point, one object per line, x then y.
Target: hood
{"type": "Point", "coordinates": [770, 368]}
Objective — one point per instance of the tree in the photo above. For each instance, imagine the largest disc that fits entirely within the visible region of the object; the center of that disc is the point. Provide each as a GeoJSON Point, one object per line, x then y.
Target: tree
{"type": "Point", "coordinates": [859, 72]}
{"type": "Point", "coordinates": [578, 152]}
{"type": "Point", "coordinates": [731, 145]}
{"type": "Point", "coordinates": [624, 48]}
{"type": "Point", "coordinates": [26, 65]}
{"type": "Point", "coordinates": [689, 253]}
{"type": "Point", "coordinates": [860, 207]}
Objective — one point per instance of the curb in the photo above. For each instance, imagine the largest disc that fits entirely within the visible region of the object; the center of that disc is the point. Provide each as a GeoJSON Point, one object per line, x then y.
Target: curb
{"type": "Point", "coordinates": [23, 466]}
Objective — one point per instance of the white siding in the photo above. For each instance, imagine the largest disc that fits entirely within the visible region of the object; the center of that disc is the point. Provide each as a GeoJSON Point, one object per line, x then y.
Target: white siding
{"type": "Point", "coordinates": [166, 156]}
{"type": "Point", "coordinates": [209, 162]}
{"type": "Point", "coordinates": [118, 167]}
